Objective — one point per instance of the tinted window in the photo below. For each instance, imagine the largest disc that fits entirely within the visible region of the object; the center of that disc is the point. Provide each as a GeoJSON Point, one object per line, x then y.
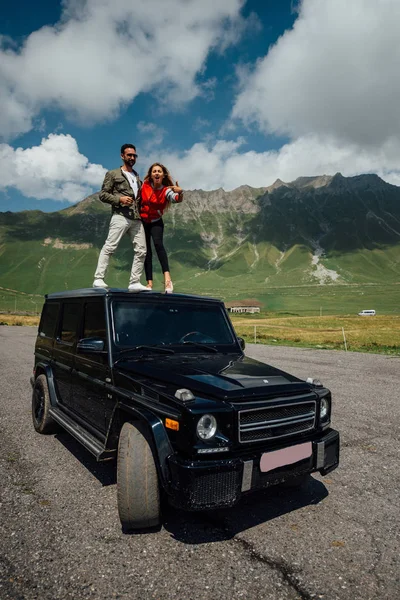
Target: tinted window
{"type": "Point", "coordinates": [169, 323]}
{"type": "Point", "coordinates": [49, 320]}
{"type": "Point", "coordinates": [94, 322]}
{"type": "Point", "coordinates": [69, 322]}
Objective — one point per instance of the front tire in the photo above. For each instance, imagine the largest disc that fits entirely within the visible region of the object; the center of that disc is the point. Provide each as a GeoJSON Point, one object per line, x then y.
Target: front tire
{"type": "Point", "coordinates": [138, 490]}
{"type": "Point", "coordinates": [42, 421]}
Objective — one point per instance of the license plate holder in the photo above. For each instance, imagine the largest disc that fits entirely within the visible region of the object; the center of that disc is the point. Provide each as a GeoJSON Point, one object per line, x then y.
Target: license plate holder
{"type": "Point", "coordinates": [286, 456]}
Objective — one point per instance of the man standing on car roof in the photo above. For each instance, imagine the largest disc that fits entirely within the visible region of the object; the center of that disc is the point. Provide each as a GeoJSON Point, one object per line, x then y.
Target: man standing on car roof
{"type": "Point", "coordinates": [121, 189]}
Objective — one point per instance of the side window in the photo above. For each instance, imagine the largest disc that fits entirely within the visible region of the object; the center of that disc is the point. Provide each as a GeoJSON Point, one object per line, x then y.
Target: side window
{"type": "Point", "coordinates": [48, 320]}
{"type": "Point", "coordinates": [69, 322]}
{"type": "Point", "coordinates": [94, 321]}
{"type": "Point", "coordinates": [94, 326]}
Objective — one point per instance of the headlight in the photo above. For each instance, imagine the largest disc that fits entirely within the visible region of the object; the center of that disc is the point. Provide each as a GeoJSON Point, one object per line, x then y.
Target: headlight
{"type": "Point", "coordinates": [206, 427]}
{"type": "Point", "coordinates": [324, 409]}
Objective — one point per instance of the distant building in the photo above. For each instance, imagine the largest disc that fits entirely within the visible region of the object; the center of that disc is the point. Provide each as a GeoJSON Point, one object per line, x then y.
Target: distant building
{"type": "Point", "coordinates": [244, 309]}
{"type": "Point", "coordinates": [244, 306]}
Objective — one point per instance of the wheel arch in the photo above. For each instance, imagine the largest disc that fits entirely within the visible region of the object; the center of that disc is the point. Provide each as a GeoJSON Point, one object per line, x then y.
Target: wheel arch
{"type": "Point", "coordinates": [153, 427]}
{"type": "Point", "coordinates": [45, 369]}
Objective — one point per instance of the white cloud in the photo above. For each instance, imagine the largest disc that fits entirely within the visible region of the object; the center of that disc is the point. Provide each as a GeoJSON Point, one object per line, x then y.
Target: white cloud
{"type": "Point", "coordinates": [335, 74]}
{"type": "Point", "coordinates": [54, 170]}
{"type": "Point", "coordinates": [103, 54]}
{"type": "Point", "coordinates": [201, 123]}
{"type": "Point", "coordinates": [226, 164]}
{"type": "Point", "coordinates": [330, 84]}
{"type": "Point", "coordinates": [15, 115]}
{"type": "Point", "coordinates": [153, 134]}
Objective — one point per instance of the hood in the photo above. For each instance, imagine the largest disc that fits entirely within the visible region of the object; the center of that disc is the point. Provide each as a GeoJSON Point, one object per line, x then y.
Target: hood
{"type": "Point", "coordinates": [220, 376]}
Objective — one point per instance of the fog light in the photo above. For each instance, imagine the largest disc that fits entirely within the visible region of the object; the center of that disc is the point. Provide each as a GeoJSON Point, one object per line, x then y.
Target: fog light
{"type": "Point", "coordinates": [206, 427]}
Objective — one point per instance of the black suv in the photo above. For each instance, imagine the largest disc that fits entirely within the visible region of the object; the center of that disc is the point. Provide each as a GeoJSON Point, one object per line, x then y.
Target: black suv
{"type": "Point", "coordinates": [161, 383]}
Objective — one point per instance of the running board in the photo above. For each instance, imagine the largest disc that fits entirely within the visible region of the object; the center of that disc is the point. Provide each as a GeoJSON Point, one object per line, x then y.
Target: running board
{"type": "Point", "coordinates": [82, 435]}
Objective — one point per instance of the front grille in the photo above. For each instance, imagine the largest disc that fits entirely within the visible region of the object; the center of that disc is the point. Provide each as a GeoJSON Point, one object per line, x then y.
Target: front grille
{"type": "Point", "coordinates": [276, 421]}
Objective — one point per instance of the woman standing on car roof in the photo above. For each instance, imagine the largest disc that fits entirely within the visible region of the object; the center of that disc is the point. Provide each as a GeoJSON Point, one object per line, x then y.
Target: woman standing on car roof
{"type": "Point", "coordinates": [157, 193]}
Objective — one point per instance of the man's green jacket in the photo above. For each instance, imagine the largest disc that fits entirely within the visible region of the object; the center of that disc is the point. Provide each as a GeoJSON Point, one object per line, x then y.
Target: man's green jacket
{"type": "Point", "coordinates": [114, 186]}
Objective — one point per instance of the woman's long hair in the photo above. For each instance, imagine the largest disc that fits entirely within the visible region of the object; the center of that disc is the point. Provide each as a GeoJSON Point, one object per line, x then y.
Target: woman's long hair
{"type": "Point", "coordinates": [167, 179]}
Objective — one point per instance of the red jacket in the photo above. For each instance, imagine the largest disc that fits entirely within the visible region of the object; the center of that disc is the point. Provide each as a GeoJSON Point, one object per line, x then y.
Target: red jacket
{"type": "Point", "coordinates": [154, 202]}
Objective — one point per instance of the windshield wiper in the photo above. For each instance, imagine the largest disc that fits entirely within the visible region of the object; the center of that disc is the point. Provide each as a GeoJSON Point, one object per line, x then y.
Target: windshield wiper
{"type": "Point", "coordinates": [154, 348]}
{"type": "Point", "coordinates": [200, 345]}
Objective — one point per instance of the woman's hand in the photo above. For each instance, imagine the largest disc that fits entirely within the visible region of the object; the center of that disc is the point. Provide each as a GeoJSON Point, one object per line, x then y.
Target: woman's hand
{"type": "Point", "coordinates": [177, 190]}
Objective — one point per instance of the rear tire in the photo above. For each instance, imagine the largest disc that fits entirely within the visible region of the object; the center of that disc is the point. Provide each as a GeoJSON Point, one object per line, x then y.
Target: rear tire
{"type": "Point", "coordinates": [138, 489]}
{"type": "Point", "coordinates": [42, 421]}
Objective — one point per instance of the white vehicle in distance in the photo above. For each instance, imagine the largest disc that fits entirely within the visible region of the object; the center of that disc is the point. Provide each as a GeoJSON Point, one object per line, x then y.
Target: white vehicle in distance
{"type": "Point", "coordinates": [367, 313]}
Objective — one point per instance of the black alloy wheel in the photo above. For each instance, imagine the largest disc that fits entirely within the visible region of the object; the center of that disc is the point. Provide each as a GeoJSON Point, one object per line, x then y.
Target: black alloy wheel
{"type": "Point", "coordinates": [42, 421]}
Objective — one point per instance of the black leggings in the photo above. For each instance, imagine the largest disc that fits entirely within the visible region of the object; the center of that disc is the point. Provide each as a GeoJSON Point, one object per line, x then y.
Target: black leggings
{"type": "Point", "coordinates": [155, 231]}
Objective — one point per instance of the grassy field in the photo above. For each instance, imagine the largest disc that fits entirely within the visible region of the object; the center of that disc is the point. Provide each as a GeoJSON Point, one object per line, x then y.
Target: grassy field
{"type": "Point", "coordinates": [295, 300]}
{"type": "Point", "coordinates": [14, 302]}
{"type": "Point", "coordinates": [19, 320]}
{"type": "Point", "coordinates": [379, 334]}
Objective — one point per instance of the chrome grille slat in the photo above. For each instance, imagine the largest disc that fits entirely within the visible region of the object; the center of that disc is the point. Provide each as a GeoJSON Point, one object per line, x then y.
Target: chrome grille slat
{"type": "Point", "coordinates": [276, 420]}
{"type": "Point", "coordinates": [257, 427]}
{"type": "Point", "coordinates": [271, 423]}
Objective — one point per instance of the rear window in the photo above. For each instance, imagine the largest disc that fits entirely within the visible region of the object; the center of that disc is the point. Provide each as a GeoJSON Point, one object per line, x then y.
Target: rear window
{"type": "Point", "coordinates": [69, 322]}
{"type": "Point", "coordinates": [48, 321]}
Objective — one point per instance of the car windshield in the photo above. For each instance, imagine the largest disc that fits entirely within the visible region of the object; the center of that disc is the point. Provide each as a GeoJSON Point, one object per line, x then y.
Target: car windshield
{"type": "Point", "coordinates": [146, 323]}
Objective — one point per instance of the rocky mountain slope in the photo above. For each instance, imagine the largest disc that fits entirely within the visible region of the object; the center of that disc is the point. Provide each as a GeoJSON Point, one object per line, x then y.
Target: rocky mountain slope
{"type": "Point", "coordinates": [312, 231]}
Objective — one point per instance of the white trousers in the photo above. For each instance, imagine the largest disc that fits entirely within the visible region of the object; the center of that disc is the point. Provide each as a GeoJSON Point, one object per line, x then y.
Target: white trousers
{"type": "Point", "coordinates": [119, 225]}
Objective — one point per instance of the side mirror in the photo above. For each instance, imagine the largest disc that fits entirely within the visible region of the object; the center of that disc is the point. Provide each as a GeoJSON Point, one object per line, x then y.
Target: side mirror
{"type": "Point", "coordinates": [89, 345]}
{"type": "Point", "coordinates": [242, 343]}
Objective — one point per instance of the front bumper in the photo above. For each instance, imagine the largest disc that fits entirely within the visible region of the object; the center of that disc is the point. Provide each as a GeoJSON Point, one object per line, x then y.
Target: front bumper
{"type": "Point", "coordinates": [200, 485]}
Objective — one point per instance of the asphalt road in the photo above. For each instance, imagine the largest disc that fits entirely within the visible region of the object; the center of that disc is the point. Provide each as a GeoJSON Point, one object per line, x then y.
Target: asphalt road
{"type": "Point", "coordinates": [338, 537]}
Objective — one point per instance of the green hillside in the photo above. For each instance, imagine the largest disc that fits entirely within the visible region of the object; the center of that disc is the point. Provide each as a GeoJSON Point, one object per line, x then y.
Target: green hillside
{"type": "Point", "coordinates": [317, 244]}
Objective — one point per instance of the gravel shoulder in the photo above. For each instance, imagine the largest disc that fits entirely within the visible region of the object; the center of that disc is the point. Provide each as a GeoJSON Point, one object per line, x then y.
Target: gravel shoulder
{"type": "Point", "coordinates": [337, 538]}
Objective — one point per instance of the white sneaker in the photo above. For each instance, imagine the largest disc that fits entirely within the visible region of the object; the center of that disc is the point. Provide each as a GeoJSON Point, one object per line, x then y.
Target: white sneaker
{"type": "Point", "coordinates": [99, 283]}
{"type": "Point", "coordinates": [169, 288]}
{"type": "Point", "coordinates": [138, 287]}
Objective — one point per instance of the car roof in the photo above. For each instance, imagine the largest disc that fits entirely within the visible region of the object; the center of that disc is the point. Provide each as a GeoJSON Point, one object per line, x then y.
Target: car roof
{"type": "Point", "coordinates": [124, 293]}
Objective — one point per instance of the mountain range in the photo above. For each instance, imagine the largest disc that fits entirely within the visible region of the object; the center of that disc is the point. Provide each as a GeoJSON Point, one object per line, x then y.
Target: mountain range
{"type": "Point", "coordinates": [314, 231]}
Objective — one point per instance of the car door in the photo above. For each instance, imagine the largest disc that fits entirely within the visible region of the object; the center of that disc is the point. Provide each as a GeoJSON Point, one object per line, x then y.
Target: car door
{"type": "Point", "coordinates": [63, 351]}
{"type": "Point", "coordinates": [91, 371]}
{"type": "Point", "coordinates": [47, 327]}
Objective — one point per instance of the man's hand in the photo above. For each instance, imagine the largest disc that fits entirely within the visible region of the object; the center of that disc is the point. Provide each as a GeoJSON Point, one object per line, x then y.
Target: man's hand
{"type": "Point", "coordinates": [126, 200]}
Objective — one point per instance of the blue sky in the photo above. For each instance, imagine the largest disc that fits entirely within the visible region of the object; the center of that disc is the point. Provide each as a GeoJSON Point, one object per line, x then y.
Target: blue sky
{"type": "Point", "coordinates": [224, 93]}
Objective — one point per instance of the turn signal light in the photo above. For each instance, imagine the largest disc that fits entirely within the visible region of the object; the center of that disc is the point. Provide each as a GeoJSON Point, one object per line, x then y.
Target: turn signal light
{"type": "Point", "coordinates": [171, 424]}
